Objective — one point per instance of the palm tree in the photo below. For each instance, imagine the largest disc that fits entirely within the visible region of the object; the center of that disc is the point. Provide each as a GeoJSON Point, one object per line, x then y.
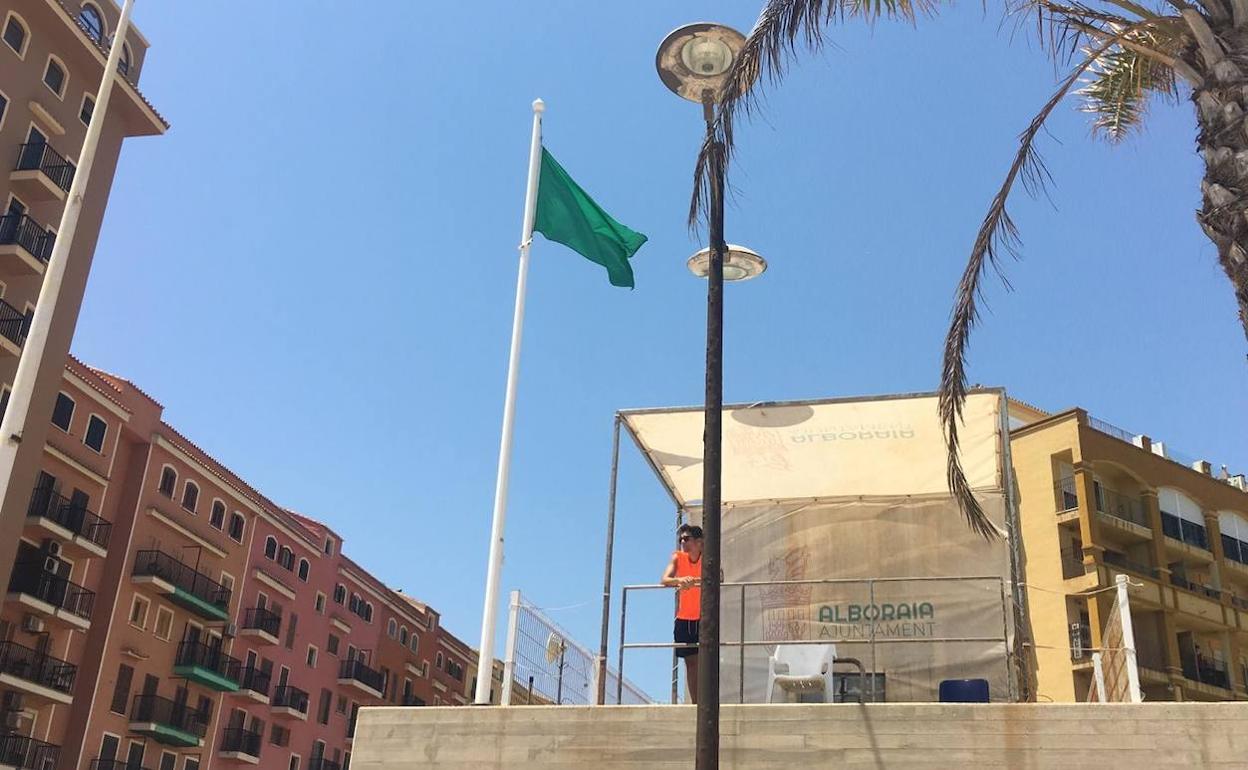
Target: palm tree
{"type": "Point", "coordinates": [1122, 53]}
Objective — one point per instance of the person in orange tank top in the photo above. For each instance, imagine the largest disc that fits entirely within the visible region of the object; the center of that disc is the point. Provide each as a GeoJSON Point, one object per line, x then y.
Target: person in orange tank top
{"type": "Point", "coordinates": [684, 573]}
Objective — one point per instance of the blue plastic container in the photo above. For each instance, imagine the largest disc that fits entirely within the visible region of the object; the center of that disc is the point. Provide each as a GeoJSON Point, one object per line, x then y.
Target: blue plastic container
{"type": "Point", "coordinates": [964, 691]}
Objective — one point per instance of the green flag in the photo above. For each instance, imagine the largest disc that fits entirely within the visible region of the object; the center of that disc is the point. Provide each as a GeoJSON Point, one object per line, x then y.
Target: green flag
{"type": "Point", "coordinates": [565, 214]}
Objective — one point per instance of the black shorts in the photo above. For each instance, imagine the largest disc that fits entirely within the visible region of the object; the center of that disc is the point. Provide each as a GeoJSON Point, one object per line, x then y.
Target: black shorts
{"type": "Point", "coordinates": [686, 632]}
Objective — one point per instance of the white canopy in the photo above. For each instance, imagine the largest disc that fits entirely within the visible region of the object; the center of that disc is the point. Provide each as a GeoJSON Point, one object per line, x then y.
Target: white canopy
{"type": "Point", "coordinates": [875, 446]}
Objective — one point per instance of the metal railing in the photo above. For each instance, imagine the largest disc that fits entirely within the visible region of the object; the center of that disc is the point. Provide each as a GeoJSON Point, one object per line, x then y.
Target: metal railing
{"type": "Point", "coordinates": [162, 711]}
{"type": "Point", "coordinates": [34, 666]}
{"type": "Point", "coordinates": [262, 619]}
{"type": "Point", "coordinates": [1072, 564]}
{"type": "Point", "coordinates": [22, 230]}
{"type": "Point", "coordinates": [39, 156]}
{"type": "Point", "coordinates": [1241, 603]}
{"type": "Point", "coordinates": [1080, 634]}
{"type": "Point", "coordinates": [357, 670]}
{"type": "Point", "coordinates": [321, 763]}
{"type": "Point", "coordinates": [1184, 530]}
{"type": "Point", "coordinates": [1109, 429]}
{"type": "Point", "coordinates": [1194, 587]}
{"type": "Point", "coordinates": [1120, 560]}
{"type": "Point", "coordinates": [1064, 493]}
{"type": "Point", "coordinates": [27, 753]}
{"type": "Point", "coordinates": [870, 691]}
{"type": "Point", "coordinates": [1210, 671]}
{"type": "Point", "coordinates": [407, 700]}
{"type": "Point", "coordinates": [201, 655]}
{"type": "Point", "coordinates": [242, 741]}
{"type": "Point", "coordinates": [255, 679]}
{"type": "Point", "coordinates": [13, 324]}
{"type": "Point", "coordinates": [32, 579]}
{"type": "Point", "coordinates": [47, 504]}
{"type": "Point", "coordinates": [162, 565]}
{"type": "Point", "coordinates": [291, 697]}
{"type": "Point", "coordinates": [1121, 506]}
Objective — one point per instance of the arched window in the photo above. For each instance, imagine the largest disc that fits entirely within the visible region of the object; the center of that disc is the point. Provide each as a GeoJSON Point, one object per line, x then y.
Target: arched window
{"type": "Point", "coordinates": [1234, 528]}
{"type": "Point", "coordinates": [392, 628]}
{"type": "Point", "coordinates": [438, 661]}
{"type": "Point", "coordinates": [270, 548]}
{"type": "Point", "coordinates": [190, 496]}
{"type": "Point", "coordinates": [286, 558]}
{"type": "Point", "coordinates": [16, 34]}
{"type": "Point", "coordinates": [403, 635]}
{"type": "Point", "coordinates": [368, 612]}
{"type": "Point", "coordinates": [92, 22]}
{"type": "Point", "coordinates": [354, 604]}
{"type": "Point", "coordinates": [415, 642]}
{"type": "Point", "coordinates": [1182, 518]}
{"type": "Point", "coordinates": [304, 568]}
{"type": "Point", "coordinates": [123, 64]}
{"type": "Point", "coordinates": [237, 525]}
{"type": "Point", "coordinates": [55, 76]}
{"type": "Point", "coordinates": [168, 480]}
{"type": "Point", "coordinates": [217, 519]}
{"type": "Point", "coordinates": [340, 594]}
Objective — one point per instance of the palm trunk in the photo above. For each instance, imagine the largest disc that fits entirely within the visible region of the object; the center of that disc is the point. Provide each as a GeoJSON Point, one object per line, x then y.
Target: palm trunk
{"type": "Point", "coordinates": [1222, 114]}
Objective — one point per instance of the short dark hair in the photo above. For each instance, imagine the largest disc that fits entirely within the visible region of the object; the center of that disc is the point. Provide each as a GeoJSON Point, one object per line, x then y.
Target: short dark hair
{"type": "Point", "coordinates": [692, 530]}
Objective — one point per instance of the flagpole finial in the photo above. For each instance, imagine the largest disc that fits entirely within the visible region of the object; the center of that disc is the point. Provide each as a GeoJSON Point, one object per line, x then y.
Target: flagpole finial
{"type": "Point", "coordinates": [539, 105]}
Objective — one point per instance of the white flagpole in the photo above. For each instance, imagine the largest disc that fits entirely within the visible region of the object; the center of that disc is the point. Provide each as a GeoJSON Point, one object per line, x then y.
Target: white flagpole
{"type": "Point", "coordinates": [485, 663]}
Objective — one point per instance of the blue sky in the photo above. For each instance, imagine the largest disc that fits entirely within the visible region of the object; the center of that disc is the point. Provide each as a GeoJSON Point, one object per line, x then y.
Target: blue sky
{"type": "Point", "coordinates": [314, 270]}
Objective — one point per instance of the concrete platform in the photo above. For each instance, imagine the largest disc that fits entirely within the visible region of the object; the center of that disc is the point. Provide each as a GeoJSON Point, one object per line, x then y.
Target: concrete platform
{"type": "Point", "coordinates": [797, 737]}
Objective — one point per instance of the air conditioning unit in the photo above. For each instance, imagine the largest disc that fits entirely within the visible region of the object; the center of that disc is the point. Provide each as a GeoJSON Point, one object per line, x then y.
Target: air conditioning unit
{"type": "Point", "coordinates": [13, 720]}
{"type": "Point", "coordinates": [51, 564]}
{"type": "Point", "coordinates": [32, 624]}
{"type": "Point", "coordinates": [231, 630]}
{"type": "Point", "coordinates": [13, 701]}
{"type": "Point", "coordinates": [52, 547]}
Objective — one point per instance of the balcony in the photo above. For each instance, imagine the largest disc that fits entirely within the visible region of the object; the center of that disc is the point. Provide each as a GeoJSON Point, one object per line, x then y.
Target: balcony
{"type": "Point", "coordinates": [1184, 531]}
{"type": "Point", "coordinates": [114, 764]}
{"type": "Point", "coordinates": [1072, 564]}
{"type": "Point", "coordinates": [183, 585]}
{"type": "Point", "coordinates": [27, 753]}
{"type": "Point", "coordinates": [25, 246]}
{"type": "Point", "coordinates": [36, 673]}
{"type": "Point", "coordinates": [1080, 642]}
{"type": "Point", "coordinates": [1064, 492]}
{"type": "Point", "coordinates": [42, 173]}
{"type": "Point", "coordinates": [241, 745]}
{"type": "Point", "coordinates": [321, 763]}
{"type": "Point", "coordinates": [167, 722]}
{"type": "Point", "coordinates": [254, 683]}
{"type": "Point", "coordinates": [1119, 560]}
{"type": "Point", "coordinates": [1206, 671]}
{"type": "Point", "coordinates": [1121, 507]}
{"type": "Point", "coordinates": [51, 596]}
{"type": "Point", "coordinates": [290, 702]}
{"type": "Point", "coordinates": [262, 624]}
{"type": "Point", "coordinates": [13, 328]}
{"type": "Point", "coordinates": [74, 524]}
{"type": "Point", "coordinates": [208, 666]}
{"type": "Point", "coordinates": [1194, 587]}
{"type": "Point", "coordinates": [354, 673]}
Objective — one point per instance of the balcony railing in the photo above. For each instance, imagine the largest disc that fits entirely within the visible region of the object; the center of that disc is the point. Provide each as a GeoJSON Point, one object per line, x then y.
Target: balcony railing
{"type": "Point", "coordinates": [39, 156]}
{"type": "Point", "coordinates": [1067, 499]}
{"type": "Point", "coordinates": [1206, 671]}
{"type": "Point", "coordinates": [288, 696]}
{"type": "Point", "coordinates": [255, 680]}
{"type": "Point", "coordinates": [39, 668]}
{"type": "Point", "coordinates": [321, 763]}
{"type": "Point", "coordinates": [21, 230]}
{"type": "Point", "coordinates": [201, 655]}
{"type": "Point", "coordinates": [114, 764]}
{"type": "Point", "coordinates": [355, 669]}
{"type": "Point", "coordinates": [1080, 635]}
{"type": "Point", "coordinates": [13, 324]}
{"type": "Point", "coordinates": [1200, 588]}
{"type": "Point", "coordinates": [242, 741]}
{"type": "Point", "coordinates": [1120, 560]}
{"type": "Point", "coordinates": [1184, 530]}
{"type": "Point", "coordinates": [33, 580]}
{"type": "Point", "coordinates": [162, 711]}
{"type": "Point", "coordinates": [412, 700]}
{"type": "Point", "coordinates": [1121, 506]}
{"type": "Point", "coordinates": [1241, 603]}
{"type": "Point", "coordinates": [46, 504]}
{"type": "Point", "coordinates": [1072, 564]}
{"type": "Point", "coordinates": [27, 753]}
{"type": "Point", "coordinates": [262, 619]}
{"type": "Point", "coordinates": [1109, 429]}
{"type": "Point", "coordinates": [166, 567]}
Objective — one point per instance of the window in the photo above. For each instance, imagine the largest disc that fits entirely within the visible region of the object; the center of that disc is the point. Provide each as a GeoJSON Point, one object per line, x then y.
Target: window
{"type": "Point", "coordinates": [190, 496]}
{"type": "Point", "coordinates": [341, 705]}
{"type": "Point", "coordinates": [415, 642]}
{"type": "Point", "coordinates": [354, 604]}
{"type": "Point", "coordinates": [109, 746]}
{"type": "Point", "coordinates": [63, 412]}
{"type": "Point", "coordinates": [455, 670]}
{"type": "Point", "coordinates": [424, 668]}
{"type": "Point", "coordinates": [340, 593]}
{"type": "Point", "coordinates": [123, 64]}
{"type": "Point", "coordinates": [168, 760]}
{"type": "Point", "coordinates": [86, 110]}
{"type": "Point", "coordinates": [320, 601]}
{"type": "Point", "coordinates": [4, 105]}
{"type": "Point", "coordinates": [237, 525]}
{"type": "Point", "coordinates": [392, 628]}
{"type": "Point", "coordinates": [227, 582]}
{"type": "Point", "coordinates": [311, 656]}
{"type": "Point", "coordinates": [286, 558]}
{"type": "Point", "coordinates": [92, 22]}
{"type": "Point", "coordinates": [329, 546]}
{"type": "Point", "coordinates": [96, 430]}
{"type": "Point", "coordinates": [121, 690]}
{"type": "Point", "coordinates": [270, 548]}
{"type": "Point", "coordinates": [138, 612]}
{"type": "Point", "coordinates": [294, 762]}
{"type": "Point", "coordinates": [168, 480]}
{"type": "Point", "coordinates": [438, 662]}
{"type": "Point", "coordinates": [54, 77]}
{"type": "Point", "coordinates": [368, 612]}
{"type": "Point", "coordinates": [190, 763]}
{"type": "Point", "coordinates": [332, 645]}
{"type": "Point", "coordinates": [15, 34]}
{"type": "Point", "coordinates": [322, 710]}
{"type": "Point", "coordinates": [217, 519]}
{"type": "Point", "coordinates": [163, 627]}
{"type": "Point", "coordinates": [290, 631]}
{"type": "Point", "coordinates": [304, 569]}
{"type": "Point", "coordinates": [403, 635]}
{"type": "Point", "coordinates": [280, 736]}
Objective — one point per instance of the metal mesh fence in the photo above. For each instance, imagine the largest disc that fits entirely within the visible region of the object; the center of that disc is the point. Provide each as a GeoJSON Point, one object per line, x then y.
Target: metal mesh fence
{"type": "Point", "coordinates": [1111, 682]}
{"type": "Point", "coordinates": [548, 667]}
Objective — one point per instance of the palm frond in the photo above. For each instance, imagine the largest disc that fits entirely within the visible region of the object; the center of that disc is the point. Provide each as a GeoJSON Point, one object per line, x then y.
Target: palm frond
{"type": "Point", "coordinates": [997, 235]}
{"type": "Point", "coordinates": [1117, 91]}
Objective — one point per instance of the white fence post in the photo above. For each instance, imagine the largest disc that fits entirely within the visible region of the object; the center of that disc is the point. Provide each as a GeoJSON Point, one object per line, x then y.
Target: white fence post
{"type": "Point", "coordinates": [1128, 641]}
{"type": "Point", "coordinates": [1098, 674]}
{"type": "Point", "coordinates": [509, 655]}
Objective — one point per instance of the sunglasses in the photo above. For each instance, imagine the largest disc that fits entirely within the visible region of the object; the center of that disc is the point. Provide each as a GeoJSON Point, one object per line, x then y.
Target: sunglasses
{"type": "Point", "coordinates": [684, 538]}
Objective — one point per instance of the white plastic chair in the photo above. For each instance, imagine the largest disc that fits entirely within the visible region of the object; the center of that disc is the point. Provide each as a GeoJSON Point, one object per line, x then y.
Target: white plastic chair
{"type": "Point", "coordinates": [800, 669]}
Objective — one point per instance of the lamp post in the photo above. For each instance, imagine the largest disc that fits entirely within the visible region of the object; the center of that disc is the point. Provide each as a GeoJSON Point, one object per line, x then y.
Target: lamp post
{"type": "Point", "coordinates": [693, 62]}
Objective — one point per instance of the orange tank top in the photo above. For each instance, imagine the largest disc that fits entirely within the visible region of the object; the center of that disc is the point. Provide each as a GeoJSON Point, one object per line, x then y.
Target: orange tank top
{"type": "Point", "coordinates": [689, 600]}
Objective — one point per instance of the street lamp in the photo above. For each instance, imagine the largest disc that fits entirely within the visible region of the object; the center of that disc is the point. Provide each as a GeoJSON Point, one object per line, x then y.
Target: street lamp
{"type": "Point", "coordinates": [694, 62]}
